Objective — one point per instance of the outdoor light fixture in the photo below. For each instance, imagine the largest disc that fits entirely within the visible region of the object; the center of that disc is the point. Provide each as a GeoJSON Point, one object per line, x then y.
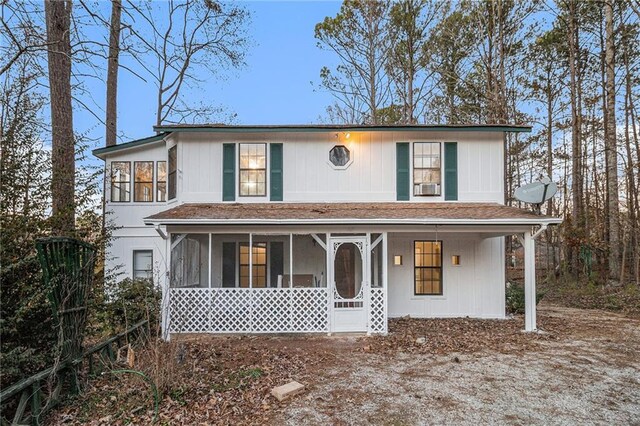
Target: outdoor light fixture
{"type": "Point", "coordinates": [347, 135]}
{"type": "Point", "coordinates": [455, 260]}
{"type": "Point", "coordinates": [397, 260]}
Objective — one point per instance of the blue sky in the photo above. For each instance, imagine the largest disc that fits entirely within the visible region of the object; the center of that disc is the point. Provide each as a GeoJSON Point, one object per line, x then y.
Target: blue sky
{"type": "Point", "coordinates": [274, 87]}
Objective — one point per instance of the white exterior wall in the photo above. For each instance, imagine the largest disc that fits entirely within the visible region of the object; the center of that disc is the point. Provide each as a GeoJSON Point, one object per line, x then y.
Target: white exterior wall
{"type": "Point", "coordinates": [475, 288]}
{"type": "Point", "coordinates": [370, 177]}
{"type": "Point", "coordinates": [130, 232]}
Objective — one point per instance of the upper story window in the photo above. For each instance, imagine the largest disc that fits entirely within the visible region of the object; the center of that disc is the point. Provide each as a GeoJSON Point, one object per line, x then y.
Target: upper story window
{"type": "Point", "coordinates": [143, 181]}
{"type": "Point", "coordinates": [120, 181]}
{"type": "Point", "coordinates": [173, 169]}
{"type": "Point", "coordinates": [339, 155]}
{"type": "Point", "coordinates": [426, 168]}
{"type": "Point", "coordinates": [253, 169]}
{"type": "Point", "coordinates": [161, 181]}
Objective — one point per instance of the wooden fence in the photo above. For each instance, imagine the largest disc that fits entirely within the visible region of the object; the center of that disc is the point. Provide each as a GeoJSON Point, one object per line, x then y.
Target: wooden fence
{"type": "Point", "coordinates": [30, 390]}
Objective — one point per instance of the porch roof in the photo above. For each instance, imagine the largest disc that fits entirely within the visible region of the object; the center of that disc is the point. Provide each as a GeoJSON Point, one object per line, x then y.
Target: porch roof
{"type": "Point", "coordinates": [454, 213]}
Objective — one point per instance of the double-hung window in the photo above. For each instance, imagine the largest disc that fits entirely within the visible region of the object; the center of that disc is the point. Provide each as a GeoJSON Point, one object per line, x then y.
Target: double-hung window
{"type": "Point", "coordinates": [143, 181]}
{"type": "Point", "coordinates": [253, 169]}
{"type": "Point", "coordinates": [120, 181]}
{"type": "Point", "coordinates": [427, 267]}
{"type": "Point", "coordinates": [173, 172]}
{"type": "Point", "coordinates": [161, 181]}
{"type": "Point", "coordinates": [426, 168]}
{"type": "Point", "coordinates": [142, 264]}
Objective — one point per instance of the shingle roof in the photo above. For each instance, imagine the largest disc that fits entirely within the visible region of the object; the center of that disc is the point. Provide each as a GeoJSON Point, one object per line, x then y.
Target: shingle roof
{"type": "Point", "coordinates": [346, 213]}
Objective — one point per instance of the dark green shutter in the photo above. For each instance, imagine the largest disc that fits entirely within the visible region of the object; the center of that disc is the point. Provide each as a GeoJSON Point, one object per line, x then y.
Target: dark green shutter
{"type": "Point", "coordinates": [450, 170]}
{"type": "Point", "coordinates": [402, 171]}
{"type": "Point", "coordinates": [276, 172]}
{"type": "Point", "coordinates": [228, 172]}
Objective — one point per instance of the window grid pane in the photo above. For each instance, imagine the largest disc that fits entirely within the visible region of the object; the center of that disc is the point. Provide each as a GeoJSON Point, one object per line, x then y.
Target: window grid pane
{"type": "Point", "coordinates": [258, 265]}
{"type": "Point", "coordinates": [173, 168]}
{"type": "Point", "coordinates": [143, 178]}
{"type": "Point", "coordinates": [428, 267]}
{"type": "Point", "coordinates": [253, 169]}
{"type": "Point", "coordinates": [426, 166]}
{"type": "Point", "coordinates": [120, 181]}
{"type": "Point", "coordinates": [161, 181]}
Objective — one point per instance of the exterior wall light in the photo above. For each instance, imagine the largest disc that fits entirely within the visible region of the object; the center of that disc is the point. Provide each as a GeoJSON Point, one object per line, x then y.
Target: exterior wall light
{"type": "Point", "coordinates": [397, 260]}
{"type": "Point", "coordinates": [455, 260]}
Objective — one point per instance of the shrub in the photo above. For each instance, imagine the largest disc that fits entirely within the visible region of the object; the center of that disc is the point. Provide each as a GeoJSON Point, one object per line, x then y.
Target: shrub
{"type": "Point", "coordinates": [131, 301]}
{"type": "Point", "coordinates": [515, 298]}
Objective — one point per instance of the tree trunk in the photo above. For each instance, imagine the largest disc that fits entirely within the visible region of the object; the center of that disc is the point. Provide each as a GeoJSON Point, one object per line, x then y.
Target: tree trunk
{"type": "Point", "coordinates": [58, 21]}
{"type": "Point", "coordinates": [576, 188]}
{"type": "Point", "coordinates": [611, 151]}
{"type": "Point", "coordinates": [112, 73]}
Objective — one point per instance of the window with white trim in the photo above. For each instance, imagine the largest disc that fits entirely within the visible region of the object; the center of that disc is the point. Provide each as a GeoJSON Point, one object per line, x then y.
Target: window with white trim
{"type": "Point", "coordinates": [143, 181]}
{"type": "Point", "coordinates": [142, 264]}
{"type": "Point", "coordinates": [253, 170]}
{"type": "Point", "coordinates": [120, 181]}
{"type": "Point", "coordinates": [426, 169]}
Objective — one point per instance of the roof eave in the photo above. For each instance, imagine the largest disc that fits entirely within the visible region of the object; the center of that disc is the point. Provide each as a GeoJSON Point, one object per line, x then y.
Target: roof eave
{"type": "Point", "coordinates": [103, 152]}
{"type": "Point", "coordinates": [352, 221]}
{"type": "Point", "coordinates": [352, 128]}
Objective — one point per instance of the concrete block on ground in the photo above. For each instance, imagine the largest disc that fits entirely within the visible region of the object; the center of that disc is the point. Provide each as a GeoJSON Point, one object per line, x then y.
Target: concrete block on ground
{"type": "Point", "coordinates": [286, 391]}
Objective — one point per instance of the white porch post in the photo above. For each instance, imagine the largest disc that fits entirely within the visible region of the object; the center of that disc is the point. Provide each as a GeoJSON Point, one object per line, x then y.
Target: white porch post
{"type": "Point", "coordinates": [166, 293]}
{"type": "Point", "coordinates": [529, 282]}
{"type": "Point", "coordinates": [385, 279]}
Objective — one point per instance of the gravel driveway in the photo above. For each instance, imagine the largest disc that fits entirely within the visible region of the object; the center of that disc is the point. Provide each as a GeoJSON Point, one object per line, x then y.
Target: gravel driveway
{"type": "Point", "coordinates": [589, 375]}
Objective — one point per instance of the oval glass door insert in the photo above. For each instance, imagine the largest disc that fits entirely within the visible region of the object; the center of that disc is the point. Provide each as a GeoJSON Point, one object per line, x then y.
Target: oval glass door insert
{"type": "Point", "coordinates": [347, 267]}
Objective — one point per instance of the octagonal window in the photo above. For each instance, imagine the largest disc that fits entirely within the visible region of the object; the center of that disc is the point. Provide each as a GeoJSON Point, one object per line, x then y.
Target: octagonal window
{"type": "Point", "coordinates": [339, 155]}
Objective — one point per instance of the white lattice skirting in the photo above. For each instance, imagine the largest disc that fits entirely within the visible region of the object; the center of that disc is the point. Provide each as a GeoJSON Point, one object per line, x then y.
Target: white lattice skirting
{"type": "Point", "coordinates": [243, 310]}
{"type": "Point", "coordinates": [377, 311]}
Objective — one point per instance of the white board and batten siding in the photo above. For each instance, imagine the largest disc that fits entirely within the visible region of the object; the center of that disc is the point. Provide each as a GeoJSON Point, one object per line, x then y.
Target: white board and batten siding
{"type": "Point", "coordinates": [130, 233]}
{"type": "Point", "coordinates": [309, 177]}
{"type": "Point", "coordinates": [474, 288]}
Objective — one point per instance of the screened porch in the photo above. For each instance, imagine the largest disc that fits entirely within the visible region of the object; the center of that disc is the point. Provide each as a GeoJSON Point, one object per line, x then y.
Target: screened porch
{"type": "Point", "coordinates": [273, 283]}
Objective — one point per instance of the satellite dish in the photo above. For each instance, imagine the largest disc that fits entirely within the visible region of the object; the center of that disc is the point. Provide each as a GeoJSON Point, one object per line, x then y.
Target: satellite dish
{"type": "Point", "coordinates": [537, 192]}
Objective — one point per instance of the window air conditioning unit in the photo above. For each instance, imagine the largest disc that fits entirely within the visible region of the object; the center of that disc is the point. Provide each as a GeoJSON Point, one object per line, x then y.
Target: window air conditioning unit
{"type": "Point", "coordinates": [429, 189]}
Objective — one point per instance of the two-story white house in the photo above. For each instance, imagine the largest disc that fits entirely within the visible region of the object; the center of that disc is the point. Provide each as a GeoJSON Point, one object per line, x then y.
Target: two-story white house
{"type": "Point", "coordinates": [314, 228]}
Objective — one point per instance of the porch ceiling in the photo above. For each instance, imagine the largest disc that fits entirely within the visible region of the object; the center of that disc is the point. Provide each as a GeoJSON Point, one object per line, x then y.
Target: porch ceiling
{"type": "Point", "coordinates": [348, 213]}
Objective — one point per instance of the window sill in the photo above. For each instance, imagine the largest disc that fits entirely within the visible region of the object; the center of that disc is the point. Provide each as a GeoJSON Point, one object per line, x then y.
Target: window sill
{"type": "Point", "coordinates": [429, 296]}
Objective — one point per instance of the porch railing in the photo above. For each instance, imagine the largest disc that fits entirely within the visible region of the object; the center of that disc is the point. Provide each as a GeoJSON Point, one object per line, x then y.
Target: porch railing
{"type": "Point", "coordinates": [261, 310]}
{"type": "Point", "coordinates": [244, 310]}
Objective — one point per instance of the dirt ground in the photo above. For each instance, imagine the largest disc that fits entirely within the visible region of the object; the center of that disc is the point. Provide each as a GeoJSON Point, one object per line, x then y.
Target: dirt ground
{"type": "Point", "coordinates": [588, 374]}
{"type": "Point", "coordinates": [583, 369]}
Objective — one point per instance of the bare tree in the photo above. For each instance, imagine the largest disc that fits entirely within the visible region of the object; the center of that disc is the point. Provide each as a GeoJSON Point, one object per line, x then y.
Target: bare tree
{"type": "Point", "coordinates": [112, 73]}
{"type": "Point", "coordinates": [358, 34]}
{"type": "Point", "coordinates": [192, 42]}
{"type": "Point", "coordinates": [58, 18]}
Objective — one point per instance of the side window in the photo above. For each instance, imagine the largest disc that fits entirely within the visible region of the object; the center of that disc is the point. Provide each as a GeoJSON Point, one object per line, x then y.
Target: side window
{"type": "Point", "coordinates": [253, 169]}
{"type": "Point", "coordinates": [120, 181]}
{"type": "Point", "coordinates": [173, 168]}
{"type": "Point", "coordinates": [142, 264]}
{"type": "Point", "coordinates": [426, 168]}
{"type": "Point", "coordinates": [161, 181]}
{"type": "Point", "coordinates": [143, 181]}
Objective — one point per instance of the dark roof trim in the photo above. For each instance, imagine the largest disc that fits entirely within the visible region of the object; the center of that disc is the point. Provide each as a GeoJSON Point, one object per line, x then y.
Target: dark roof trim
{"type": "Point", "coordinates": [221, 128]}
{"type": "Point", "coordinates": [101, 152]}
